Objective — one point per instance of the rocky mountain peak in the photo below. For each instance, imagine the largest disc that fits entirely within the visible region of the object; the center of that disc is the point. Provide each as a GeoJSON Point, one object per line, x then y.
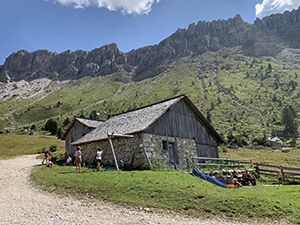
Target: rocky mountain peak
{"type": "Point", "coordinates": [266, 37]}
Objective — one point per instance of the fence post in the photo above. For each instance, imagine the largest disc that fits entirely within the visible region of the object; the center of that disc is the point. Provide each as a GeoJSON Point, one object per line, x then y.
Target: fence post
{"type": "Point", "coordinates": [281, 170]}
{"type": "Point", "coordinates": [257, 169]}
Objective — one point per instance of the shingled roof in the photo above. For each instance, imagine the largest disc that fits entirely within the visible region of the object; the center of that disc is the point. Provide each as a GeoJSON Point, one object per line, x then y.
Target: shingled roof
{"type": "Point", "coordinates": [140, 119]}
{"type": "Point", "coordinates": [87, 122]}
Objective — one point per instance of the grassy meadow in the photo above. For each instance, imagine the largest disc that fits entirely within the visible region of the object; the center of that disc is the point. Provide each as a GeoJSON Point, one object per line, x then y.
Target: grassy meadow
{"type": "Point", "coordinates": [16, 145]}
{"type": "Point", "coordinates": [289, 157]}
{"type": "Point", "coordinates": [175, 191]}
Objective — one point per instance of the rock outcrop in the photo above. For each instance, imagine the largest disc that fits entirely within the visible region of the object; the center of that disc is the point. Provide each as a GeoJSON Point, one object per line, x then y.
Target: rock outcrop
{"type": "Point", "coordinates": [23, 65]}
{"type": "Point", "coordinates": [266, 37]}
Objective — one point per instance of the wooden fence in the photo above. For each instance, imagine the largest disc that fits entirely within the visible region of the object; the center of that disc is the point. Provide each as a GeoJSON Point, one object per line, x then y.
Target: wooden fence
{"type": "Point", "coordinates": [205, 161]}
{"type": "Point", "coordinates": [290, 173]}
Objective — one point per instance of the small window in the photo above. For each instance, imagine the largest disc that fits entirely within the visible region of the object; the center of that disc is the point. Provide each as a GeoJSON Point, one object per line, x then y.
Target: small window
{"type": "Point", "coordinates": [166, 147]}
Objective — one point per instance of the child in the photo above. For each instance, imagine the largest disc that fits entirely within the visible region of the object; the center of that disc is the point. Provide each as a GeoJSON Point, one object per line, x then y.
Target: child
{"type": "Point", "coordinates": [47, 153]}
{"type": "Point", "coordinates": [236, 184]}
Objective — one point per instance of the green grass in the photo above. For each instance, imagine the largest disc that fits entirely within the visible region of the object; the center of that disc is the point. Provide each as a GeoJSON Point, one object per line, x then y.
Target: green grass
{"type": "Point", "coordinates": [16, 145]}
{"type": "Point", "coordinates": [174, 191]}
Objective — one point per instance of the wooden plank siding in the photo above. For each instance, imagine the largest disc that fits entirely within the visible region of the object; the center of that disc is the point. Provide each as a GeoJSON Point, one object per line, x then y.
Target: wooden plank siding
{"type": "Point", "coordinates": [180, 121]}
{"type": "Point", "coordinates": [77, 132]}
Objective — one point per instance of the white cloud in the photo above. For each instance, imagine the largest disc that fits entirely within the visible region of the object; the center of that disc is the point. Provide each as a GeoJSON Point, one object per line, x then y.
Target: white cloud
{"type": "Point", "coordinates": [125, 6]}
{"type": "Point", "coordinates": [268, 7]}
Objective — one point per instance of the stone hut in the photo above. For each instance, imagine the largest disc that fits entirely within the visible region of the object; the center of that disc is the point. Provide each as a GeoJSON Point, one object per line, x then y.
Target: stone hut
{"type": "Point", "coordinates": [168, 131]}
{"type": "Point", "coordinates": [76, 130]}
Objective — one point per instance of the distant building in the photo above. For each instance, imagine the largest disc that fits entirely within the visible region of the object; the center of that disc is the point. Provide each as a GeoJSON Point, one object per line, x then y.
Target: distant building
{"type": "Point", "coordinates": [168, 131]}
{"type": "Point", "coordinates": [76, 130]}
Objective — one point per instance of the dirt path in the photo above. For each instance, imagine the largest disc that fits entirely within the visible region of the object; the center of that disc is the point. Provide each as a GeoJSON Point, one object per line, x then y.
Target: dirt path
{"type": "Point", "coordinates": [20, 203]}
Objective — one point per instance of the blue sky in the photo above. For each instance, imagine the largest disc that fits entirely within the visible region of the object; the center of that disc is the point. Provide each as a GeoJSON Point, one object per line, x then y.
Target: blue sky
{"type": "Point", "coordinates": [60, 25]}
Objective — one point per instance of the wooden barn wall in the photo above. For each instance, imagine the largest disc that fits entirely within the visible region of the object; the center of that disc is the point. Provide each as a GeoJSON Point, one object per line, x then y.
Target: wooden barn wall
{"type": "Point", "coordinates": [78, 131]}
{"type": "Point", "coordinates": [180, 121]}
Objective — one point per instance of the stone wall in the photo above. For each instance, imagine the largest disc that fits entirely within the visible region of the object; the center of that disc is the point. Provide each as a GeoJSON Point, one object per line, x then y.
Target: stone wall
{"type": "Point", "coordinates": [131, 152]}
{"type": "Point", "coordinates": [126, 149]}
{"type": "Point", "coordinates": [154, 147]}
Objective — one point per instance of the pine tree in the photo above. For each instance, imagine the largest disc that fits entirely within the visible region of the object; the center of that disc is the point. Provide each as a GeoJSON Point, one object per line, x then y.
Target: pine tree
{"type": "Point", "coordinates": [288, 119]}
{"type": "Point", "coordinates": [94, 115]}
{"type": "Point", "coordinates": [208, 117]}
{"type": "Point", "coordinates": [59, 133]}
{"type": "Point", "coordinates": [51, 126]}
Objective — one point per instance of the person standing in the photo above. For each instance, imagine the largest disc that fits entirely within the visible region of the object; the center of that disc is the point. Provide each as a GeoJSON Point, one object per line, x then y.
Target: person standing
{"type": "Point", "coordinates": [98, 158]}
{"type": "Point", "coordinates": [78, 159]}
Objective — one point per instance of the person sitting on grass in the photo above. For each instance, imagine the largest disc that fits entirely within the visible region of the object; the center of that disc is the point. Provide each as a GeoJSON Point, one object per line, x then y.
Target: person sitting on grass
{"type": "Point", "coordinates": [47, 154]}
{"type": "Point", "coordinates": [49, 164]}
{"type": "Point", "coordinates": [236, 184]}
{"type": "Point", "coordinates": [248, 177]}
{"type": "Point", "coordinates": [69, 161]}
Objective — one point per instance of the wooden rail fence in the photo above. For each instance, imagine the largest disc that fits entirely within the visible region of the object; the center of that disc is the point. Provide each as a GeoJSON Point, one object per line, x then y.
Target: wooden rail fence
{"type": "Point", "coordinates": [291, 173]}
{"type": "Point", "coordinates": [269, 170]}
{"type": "Point", "coordinates": [206, 161]}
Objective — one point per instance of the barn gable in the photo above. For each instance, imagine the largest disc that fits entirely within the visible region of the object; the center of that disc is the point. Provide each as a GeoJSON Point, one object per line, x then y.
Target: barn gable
{"type": "Point", "coordinates": [76, 130]}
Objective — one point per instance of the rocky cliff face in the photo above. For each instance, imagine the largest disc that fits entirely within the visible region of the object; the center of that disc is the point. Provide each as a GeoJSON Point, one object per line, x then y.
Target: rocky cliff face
{"type": "Point", "coordinates": [267, 37]}
{"type": "Point", "coordinates": [272, 34]}
{"type": "Point", "coordinates": [23, 65]}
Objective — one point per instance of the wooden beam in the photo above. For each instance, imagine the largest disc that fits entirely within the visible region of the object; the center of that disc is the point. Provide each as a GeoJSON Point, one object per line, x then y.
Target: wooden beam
{"type": "Point", "coordinates": [121, 136]}
{"type": "Point", "coordinates": [113, 151]}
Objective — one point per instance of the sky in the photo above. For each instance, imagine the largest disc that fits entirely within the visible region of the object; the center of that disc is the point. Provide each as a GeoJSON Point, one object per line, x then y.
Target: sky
{"type": "Point", "coordinates": [61, 25]}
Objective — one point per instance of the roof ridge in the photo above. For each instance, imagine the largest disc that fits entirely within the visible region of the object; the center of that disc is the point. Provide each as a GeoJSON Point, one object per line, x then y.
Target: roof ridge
{"type": "Point", "coordinates": [146, 106]}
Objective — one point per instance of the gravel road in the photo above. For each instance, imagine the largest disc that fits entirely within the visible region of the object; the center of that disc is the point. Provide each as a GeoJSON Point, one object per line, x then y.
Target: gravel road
{"type": "Point", "coordinates": [21, 203]}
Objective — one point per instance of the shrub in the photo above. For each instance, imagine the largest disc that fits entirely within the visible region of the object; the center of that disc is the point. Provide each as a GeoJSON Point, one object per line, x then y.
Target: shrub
{"type": "Point", "coordinates": [51, 126]}
{"type": "Point", "coordinates": [223, 148]}
{"type": "Point", "coordinates": [53, 148]}
{"type": "Point", "coordinates": [157, 164]}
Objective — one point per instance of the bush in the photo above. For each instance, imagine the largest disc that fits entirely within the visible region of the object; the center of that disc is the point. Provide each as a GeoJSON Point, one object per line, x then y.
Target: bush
{"type": "Point", "coordinates": [157, 164]}
{"type": "Point", "coordinates": [53, 148]}
{"type": "Point", "coordinates": [223, 148]}
{"type": "Point", "coordinates": [51, 126]}
{"type": "Point", "coordinates": [43, 149]}
{"type": "Point", "coordinates": [293, 142]}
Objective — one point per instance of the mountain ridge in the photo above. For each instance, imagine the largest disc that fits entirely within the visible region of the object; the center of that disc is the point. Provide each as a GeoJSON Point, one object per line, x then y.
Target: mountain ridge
{"type": "Point", "coordinates": [257, 40]}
